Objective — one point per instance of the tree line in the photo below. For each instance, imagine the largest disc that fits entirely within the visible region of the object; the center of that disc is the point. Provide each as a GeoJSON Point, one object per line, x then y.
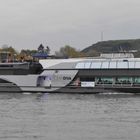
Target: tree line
{"type": "Point", "coordinates": [64, 52]}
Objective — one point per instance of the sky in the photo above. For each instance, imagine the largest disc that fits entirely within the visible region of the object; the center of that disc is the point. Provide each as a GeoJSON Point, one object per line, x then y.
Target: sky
{"type": "Point", "coordinates": [25, 24]}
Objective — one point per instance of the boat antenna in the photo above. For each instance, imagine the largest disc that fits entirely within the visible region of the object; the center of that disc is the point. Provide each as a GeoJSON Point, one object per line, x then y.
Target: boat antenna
{"type": "Point", "coordinates": [102, 36]}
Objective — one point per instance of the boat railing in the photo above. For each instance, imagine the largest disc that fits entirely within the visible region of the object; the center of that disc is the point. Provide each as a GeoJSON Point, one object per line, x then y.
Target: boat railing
{"type": "Point", "coordinates": [118, 85]}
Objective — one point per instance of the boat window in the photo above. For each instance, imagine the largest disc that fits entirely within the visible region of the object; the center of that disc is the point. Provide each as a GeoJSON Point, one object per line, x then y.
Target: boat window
{"type": "Point", "coordinates": [113, 65]}
{"type": "Point", "coordinates": [104, 80]}
{"type": "Point", "coordinates": [124, 80]}
{"type": "Point", "coordinates": [137, 80]}
{"type": "Point", "coordinates": [131, 64]}
{"type": "Point", "coordinates": [80, 65]}
{"type": "Point", "coordinates": [122, 64]}
{"type": "Point", "coordinates": [137, 64]}
{"type": "Point", "coordinates": [107, 80]}
{"type": "Point", "coordinates": [87, 65]}
{"type": "Point", "coordinates": [87, 78]}
{"type": "Point", "coordinates": [105, 65]}
{"type": "Point", "coordinates": [96, 65]}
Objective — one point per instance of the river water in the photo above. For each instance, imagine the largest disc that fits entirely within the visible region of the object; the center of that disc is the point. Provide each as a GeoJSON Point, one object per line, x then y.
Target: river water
{"type": "Point", "coordinates": [69, 116]}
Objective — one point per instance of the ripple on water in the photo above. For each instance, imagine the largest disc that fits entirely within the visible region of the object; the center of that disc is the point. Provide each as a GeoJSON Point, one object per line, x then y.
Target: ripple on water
{"type": "Point", "coordinates": [69, 116]}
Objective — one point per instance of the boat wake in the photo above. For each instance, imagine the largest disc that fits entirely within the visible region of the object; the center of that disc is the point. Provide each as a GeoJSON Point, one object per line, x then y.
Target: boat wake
{"type": "Point", "coordinates": [116, 93]}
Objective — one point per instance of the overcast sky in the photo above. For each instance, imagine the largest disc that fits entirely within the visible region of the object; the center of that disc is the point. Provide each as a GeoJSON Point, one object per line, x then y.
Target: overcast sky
{"type": "Point", "coordinates": [24, 24]}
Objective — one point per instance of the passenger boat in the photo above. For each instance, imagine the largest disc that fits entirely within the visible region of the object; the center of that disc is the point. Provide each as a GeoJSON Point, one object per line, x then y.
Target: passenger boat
{"type": "Point", "coordinates": [90, 75]}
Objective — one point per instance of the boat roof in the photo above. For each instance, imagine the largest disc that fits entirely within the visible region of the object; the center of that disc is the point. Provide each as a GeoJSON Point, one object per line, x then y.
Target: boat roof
{"type": "Point", "coordinates": [84, 63]}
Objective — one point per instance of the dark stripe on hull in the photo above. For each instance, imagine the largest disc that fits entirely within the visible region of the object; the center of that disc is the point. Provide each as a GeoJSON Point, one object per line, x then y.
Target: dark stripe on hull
{"type": "Point", "coordinates": [96, 90]}
{"type": "Point", "coordinates": [10, 89]}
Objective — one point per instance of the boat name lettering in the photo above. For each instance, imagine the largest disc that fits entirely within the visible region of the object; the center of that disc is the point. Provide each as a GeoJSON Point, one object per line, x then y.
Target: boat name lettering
{"type": "Point", "coordinates": [66, 78]}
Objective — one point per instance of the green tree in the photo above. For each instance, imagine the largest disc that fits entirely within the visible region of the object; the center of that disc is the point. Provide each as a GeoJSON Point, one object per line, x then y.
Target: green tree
{"type": "Point", "coordinates": [68, 52]}
{"type": "Point", "coordinates": [6, 48]}
{"type": "Point", "coordinates": [28, 52]}
{"type": "Point", "coordinates": [47, 50]}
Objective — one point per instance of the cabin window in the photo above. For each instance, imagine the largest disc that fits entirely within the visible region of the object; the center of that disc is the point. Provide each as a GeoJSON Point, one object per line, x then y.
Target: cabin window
{"type": "Point", "coordinates": [131, 64]}
{"type": "Point", "coordinates": [105, 65]}
{"type": "Point", "coordinates": [137, 64]}
{"type": "Point", "coordinates": [137, 80]}
{"type": "Point", "coordinates": [87, 65]}
{"type": "Point", "coordinates": [80, 65]}
{"type": "Point", "coordinates": [124, 80]}
{"type": "Point", "coordinates": [104, 80]}
{"type": "Point", "coordinates": [87, 78]}
{"type": "Point", "coordinates": [113, 65]}
{"type": "Point", "coordinates": [96, 65]}
{"type": "Point", "coordinates": [122, 64]}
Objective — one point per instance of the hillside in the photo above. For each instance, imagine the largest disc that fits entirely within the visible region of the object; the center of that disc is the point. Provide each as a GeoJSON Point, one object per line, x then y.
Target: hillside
{"type": "Point", "coordinates": [113, 46]}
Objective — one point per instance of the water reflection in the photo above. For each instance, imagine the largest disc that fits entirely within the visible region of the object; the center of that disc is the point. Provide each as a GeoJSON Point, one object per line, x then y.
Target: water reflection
{"type": "Point", "coordinates": [18, 95]}
{"type": "Point", "coordinates": [10, 95]}
{"type": "Point", "coordinates": [65, 96]}
{"type": "Point", "coordinates": [117, 95]}
{"type": "Point", "coordinates": [88, 97]}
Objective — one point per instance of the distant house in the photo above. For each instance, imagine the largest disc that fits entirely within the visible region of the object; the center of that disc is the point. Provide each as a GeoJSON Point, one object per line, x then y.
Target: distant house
{"type": "Point", "coordinates": [40, 55]}
{"type": "Point", "coordinates": [6, 56]}
{"type": "Point", "coordinates": [116, 55]}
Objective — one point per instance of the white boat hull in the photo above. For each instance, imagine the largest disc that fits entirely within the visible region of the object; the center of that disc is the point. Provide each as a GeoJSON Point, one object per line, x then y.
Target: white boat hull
{"type": "Point", "coordinates": [20, 83]}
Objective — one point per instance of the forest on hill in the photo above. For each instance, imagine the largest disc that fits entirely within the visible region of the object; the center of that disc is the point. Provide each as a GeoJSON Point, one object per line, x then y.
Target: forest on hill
{"type": "Point", "coordinates": [113, 46]}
